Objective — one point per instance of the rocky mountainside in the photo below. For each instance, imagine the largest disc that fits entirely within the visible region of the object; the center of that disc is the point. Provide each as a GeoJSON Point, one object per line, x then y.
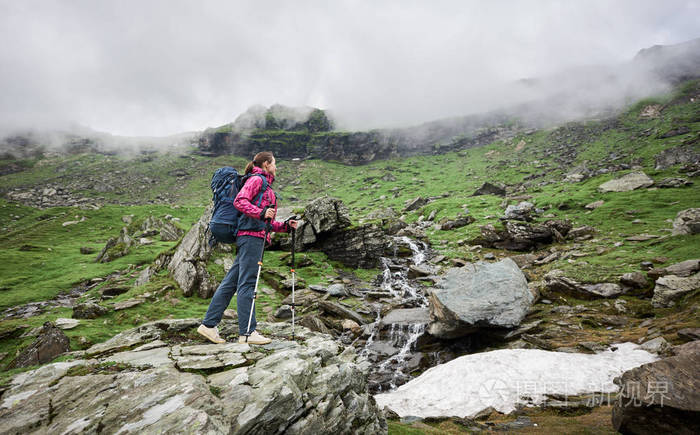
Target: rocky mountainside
{"type": "Point", "coordinates": [590, 230]}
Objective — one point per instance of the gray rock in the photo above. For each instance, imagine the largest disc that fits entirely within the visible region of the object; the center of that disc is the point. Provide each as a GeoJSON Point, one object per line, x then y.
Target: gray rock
{"type": "Point", "coordinates": [673, 182]}
{"type": "Point", "coordinates": [144, 276]}
{"type": "Point", "coordinates": [661, 397]}
{"type": "Point", "coordinates": [406, 316]}
{"type": "Point", "coordinates": [679, 155]}
{"type": "Point", "coordinates": [337, 290]}
{"type": "Point", "coordinates": [594, 205]}
{"type": "Point", "coordinates": [307, 386]}
{"type": "Point", "coordinates": [66, 323]}
{"type": "Point", "coordinates": [326, 214]}
{"type": "Point", "coordinates": [519, 212]}
{"type": "Point", "coordinates": [128, 304]}
{"type": "Point", "coordinates": [315, 324]}
{"type": "Point", "coordinates": [634, 280]}
{"type": "Point", "coordinates": [480, 295]}
{"type": "Point", "coordinates": [360, 246]}
{"type": "Point", "coordinates": [459, 222]}
{"type": "Point", "coordinates": [188, 264]}
{"type": "Point", "coordinates": [340, 311]}
{"type": "Point", "coordinates": [416, 203]}
{"type": "Point", "coordinates": [51, 343]}
{"type": "Point", "coordinates": [631, 181]}
{"type": "Point", "coordinates": [687, 222]}
{"type": "Point", "coordinates": [555, 281]}
{"type": "Point", "coordinates": [657, 345]}
{"type": "Point", "coordinates": [487, 188]}
{"type": "Point", "coordinates": [170, 232]}
{"type": "Point", "coordinates": [671, 288]}
{"type": "Point", "coordinates": [284, 312]}
{"type": "Point", "coordinates": [89, 310]}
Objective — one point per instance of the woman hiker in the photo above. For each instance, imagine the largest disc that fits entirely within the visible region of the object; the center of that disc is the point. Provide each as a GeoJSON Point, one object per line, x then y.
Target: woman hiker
{"type": "Point", "coordinates": [251, 232]}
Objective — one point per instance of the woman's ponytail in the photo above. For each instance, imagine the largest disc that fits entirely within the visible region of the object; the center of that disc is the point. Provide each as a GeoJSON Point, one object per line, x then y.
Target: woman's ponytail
{"type": "Point", "coordinates": [249, 167]}
{"type": "Point", "coordinates": [258, 160]}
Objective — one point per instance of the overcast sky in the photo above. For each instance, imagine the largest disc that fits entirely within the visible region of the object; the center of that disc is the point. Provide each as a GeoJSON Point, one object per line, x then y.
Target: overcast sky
{"type": "Point", "coordinates": [162, 67]}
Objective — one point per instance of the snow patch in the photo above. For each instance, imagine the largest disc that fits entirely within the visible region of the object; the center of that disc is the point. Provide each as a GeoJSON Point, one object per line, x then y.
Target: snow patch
{"type": "Point", "coordinates": [508, 377]}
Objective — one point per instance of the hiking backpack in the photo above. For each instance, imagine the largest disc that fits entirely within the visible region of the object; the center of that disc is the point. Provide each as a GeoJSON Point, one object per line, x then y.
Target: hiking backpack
{"type": "Point", "coordinates": [225, 185]}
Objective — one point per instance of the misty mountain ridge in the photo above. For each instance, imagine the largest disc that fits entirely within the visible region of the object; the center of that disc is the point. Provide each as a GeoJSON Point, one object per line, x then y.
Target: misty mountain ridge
{"type": "Point", "coordinates": [591, 92]}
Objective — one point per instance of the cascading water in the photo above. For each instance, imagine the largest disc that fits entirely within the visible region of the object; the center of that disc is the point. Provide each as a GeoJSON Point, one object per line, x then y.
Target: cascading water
{"type": "Point", "coordinates": [391, 345]}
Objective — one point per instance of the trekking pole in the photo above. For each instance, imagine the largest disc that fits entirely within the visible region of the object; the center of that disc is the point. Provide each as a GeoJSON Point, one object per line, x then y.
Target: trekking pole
{"type": "Point", "coordinates": [268, 226]}
{"type": "Point", "coordinates": [294, 232]}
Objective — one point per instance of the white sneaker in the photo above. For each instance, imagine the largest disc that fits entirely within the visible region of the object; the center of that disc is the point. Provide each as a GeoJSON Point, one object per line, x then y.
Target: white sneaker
{"type": "Point", "coordinates": [212, 334]}
{"type": "Point", "coordinates": [254, 338]}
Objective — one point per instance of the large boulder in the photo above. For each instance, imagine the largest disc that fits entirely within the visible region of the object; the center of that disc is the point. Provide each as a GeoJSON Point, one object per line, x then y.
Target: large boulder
{"type": "Point", "coordinates": [188, 264]}
{"type": "Point", "coordinates": [661, 397]}
{"type": "Point", "coordinates": [671, 288]}
{"type": "Point", "coordinates": [51, 343]}
{"type": "Point", "coordinates": [312, 385]}
{"type": "Point", "coordinates": [687, 222]}
{"type": "Point", "coordinates": [631, 181]}
{"type": "Point", "coordinates": [480, 295]}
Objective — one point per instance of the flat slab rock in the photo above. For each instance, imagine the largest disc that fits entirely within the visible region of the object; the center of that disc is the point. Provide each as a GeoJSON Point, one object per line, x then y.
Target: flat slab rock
{"type": "Point", "coordinates": [311, 385]}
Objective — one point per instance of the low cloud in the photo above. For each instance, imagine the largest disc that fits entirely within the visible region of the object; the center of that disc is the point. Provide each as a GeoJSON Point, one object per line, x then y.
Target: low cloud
{"type": "Point", "coordinates": [144, 68]}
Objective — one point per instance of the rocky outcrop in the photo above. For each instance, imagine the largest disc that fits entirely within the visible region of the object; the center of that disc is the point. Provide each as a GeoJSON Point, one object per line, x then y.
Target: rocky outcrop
{"type": "Point", "coordinates": [480, 295]}
{"type": "Point", "coordinates": [661, 397]}
{"type": "Point", "coordinates": [51, 343]}
{"type": "Point", "coordinates": [522, 236]}
{"type": "Point", "coordinates": [556, 282]}
{"type": "Point", "coordinates": [312, 385]}
{"type": "Point", "coordinates": [670, 288]}
{"type": "Point", "coordinates": [687, 222]}
{"type": "Point", "coordinates": [356, 247]}
{"type": "Point", "coordinates": [631, 181]}
{"type": "Point", "coordinates": [188, 264]}
{"type": "Point", "coordinates": [679, 155]}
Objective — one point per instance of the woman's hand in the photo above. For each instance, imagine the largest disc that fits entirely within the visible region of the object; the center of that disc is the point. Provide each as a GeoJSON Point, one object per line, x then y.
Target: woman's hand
{"type": "Point", "coordinates": [293, 223]}
{"type": "Point", "coordinates": [269, 213]}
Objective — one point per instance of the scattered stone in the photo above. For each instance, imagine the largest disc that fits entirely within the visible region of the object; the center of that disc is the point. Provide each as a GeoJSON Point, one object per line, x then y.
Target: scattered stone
{"type": "Point", "coordinates": [657, 345]}
{"type": "Point", "coordinates": [415, 204]}
{"type": "Point", "coordinates": [641, 238]}
{"type": "Point", "coordinates": [284, 312]}
{"type": "Point", "coordinates": [350, 325]}
{"type": "Point", "coordinates": [340, 311]}
{"type": "Point", "coordinates": [459, 222]}
{"type": "Point", "coordinates": [594, 205]}
{"type": "Point", "coordinates": [556, 282]}
{"type": "Point", "coordinates": [86, 250]}
{"type": "Point", "coordinates": [89, 310]}
{"type": "Point", "coordinates": [634, 280]}
{"type": "Point", "coordinates": [651, 111]}
{"type": "Point", "coordinates": [670, 288]}
{"type": "Point", "coordinates": [128, 304]}
{"type": "Point", "coordinates": [337, 290]}
{"type": "Point", "coordinates": [674, 183]}
{"type": "Point", "coordinates": [687, 222]}
{"type": "Point", "coordinates": [631, 181]}
{"type": "Point", "coordinates": [488, 188]}
{"type": "Point", "coordinates": [519, 212]}
{"type": "Point", "coordinates": [51, 343]}
{"type": "Point", "coordinates": [64, 323]}
{"type": "Point", "coordinates": [679, 155]}
{"type": "Point", "coordinates": [144, 276]}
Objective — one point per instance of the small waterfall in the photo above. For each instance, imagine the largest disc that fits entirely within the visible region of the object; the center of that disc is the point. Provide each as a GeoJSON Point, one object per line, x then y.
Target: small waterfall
{"type": "Point", "coordinates": [392, 346]}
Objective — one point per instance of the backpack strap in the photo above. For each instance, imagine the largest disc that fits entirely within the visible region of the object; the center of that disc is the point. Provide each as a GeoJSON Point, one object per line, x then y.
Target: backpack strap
{"type": "Point", "coordinates": [262, 189]}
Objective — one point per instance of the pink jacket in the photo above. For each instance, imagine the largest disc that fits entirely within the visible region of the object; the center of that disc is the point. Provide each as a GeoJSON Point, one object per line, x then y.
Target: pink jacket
{"type": "Point", "coordinates": [246, 204]}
